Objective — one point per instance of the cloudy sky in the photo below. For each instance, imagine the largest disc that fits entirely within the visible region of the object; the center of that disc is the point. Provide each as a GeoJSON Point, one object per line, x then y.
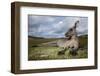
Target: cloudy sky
{"type": "Point", "coordinates": [55, 26]}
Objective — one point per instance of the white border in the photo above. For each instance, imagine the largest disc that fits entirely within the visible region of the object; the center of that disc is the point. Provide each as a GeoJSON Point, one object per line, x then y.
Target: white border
{"type": "Point", "coordinates": [25, 64]}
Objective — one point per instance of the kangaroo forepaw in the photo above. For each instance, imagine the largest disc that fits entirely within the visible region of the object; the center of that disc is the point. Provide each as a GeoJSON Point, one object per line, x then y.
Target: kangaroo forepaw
{"type": "Point", "coordinates": [61, 53]}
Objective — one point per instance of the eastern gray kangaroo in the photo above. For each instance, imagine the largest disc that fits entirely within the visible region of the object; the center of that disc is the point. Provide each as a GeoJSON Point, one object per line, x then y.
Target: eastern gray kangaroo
{"type": "Point", "coordinates": [71, 42]}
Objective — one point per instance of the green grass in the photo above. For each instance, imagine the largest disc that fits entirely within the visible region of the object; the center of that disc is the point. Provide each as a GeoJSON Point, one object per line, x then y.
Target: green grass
{"type": "Point", "coordinates": [50, 53]}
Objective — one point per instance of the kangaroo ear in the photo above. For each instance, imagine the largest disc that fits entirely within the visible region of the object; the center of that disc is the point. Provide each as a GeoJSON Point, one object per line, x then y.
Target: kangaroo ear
{"type": "Point", "coordinates": [76, 23]}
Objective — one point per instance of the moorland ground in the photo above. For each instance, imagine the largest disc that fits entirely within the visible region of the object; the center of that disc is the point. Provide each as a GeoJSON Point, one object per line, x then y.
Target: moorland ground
{"type": "Point", "coordinates": [51, 52]}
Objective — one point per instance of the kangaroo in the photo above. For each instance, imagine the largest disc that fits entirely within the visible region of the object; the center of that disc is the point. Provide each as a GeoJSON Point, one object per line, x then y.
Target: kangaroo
{"type": "Point", "coordinates": [71, 42]}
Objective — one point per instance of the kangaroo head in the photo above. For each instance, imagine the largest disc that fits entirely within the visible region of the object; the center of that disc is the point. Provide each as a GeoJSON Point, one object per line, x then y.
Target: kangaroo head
{"type": "Point", "coordinates": [72, 31]}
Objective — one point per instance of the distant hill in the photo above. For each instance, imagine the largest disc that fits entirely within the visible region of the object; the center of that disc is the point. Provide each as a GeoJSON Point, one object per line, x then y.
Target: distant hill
{"type": "Point", "coordinates": [83, 36]}
{"type": "Point", "coordinates": [34, 37]}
